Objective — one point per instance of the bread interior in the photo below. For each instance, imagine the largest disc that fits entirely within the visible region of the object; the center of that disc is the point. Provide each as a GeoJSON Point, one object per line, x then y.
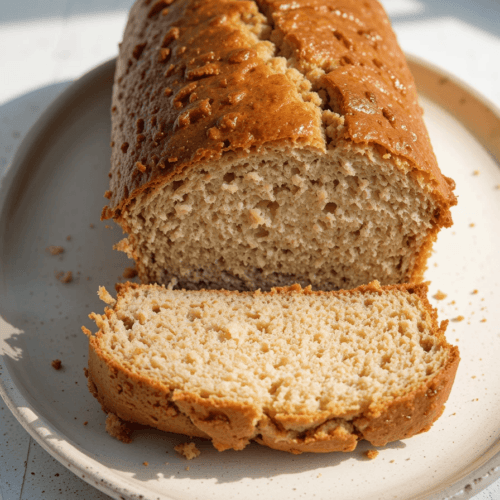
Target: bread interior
{"type": "Point", "coordinates": [285, 353]}
{"type": "Point", "coordinates": [284, 216]}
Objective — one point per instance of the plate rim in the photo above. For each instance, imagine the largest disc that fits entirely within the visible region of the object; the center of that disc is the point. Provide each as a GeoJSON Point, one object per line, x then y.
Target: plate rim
{"type": "Point", "coordinates": [67, 453]}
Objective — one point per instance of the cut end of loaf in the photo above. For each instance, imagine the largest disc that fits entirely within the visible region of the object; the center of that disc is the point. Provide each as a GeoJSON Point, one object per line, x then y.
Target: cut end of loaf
{"type": "Point", "coordinates": [293, 369]}
{"type": "Point", "coordinates": [285, 216]}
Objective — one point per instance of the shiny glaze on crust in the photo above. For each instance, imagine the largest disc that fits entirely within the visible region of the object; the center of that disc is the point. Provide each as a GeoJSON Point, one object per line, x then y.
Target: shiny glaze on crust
{"type": "Point", "coordinates": [194, 81]}
{"type": "Point", "coordinates": [365, 74]}
{"type": "Point", "coordinates": [195, 86]}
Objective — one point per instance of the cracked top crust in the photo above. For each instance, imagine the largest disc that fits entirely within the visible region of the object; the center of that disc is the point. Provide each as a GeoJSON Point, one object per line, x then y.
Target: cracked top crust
{"type": "Point", "coordinates": [195, 79]}
{"type": "Point", "coordinates": [364, 72]}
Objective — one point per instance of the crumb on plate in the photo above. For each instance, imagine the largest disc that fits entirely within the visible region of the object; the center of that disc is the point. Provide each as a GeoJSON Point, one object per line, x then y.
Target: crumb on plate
{"type": "Point", "coordinates": [188, 450]}
{"type": "Point", "coordinates": [118, 429]}
{"type": "Point", "coordinates": [55, 250]}
{"type": "Point", "coordinates": [440, 295]}
{"type": "Point", "coordinates": [56, 364]}
{"type": "Point", "coordinates": [65, 277]}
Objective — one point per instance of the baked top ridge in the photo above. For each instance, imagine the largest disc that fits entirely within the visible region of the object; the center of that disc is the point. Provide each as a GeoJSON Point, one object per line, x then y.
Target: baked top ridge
{"type": "Point", "coordinates": [182, 97]}
{"type": "Point", "coordinates": [415, 389]}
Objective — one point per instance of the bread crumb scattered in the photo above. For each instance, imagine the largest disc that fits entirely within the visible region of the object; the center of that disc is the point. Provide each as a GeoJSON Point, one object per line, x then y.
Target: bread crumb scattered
{"type": "Point", "coordinates": [129, 273]}
{"type": "Point", "coordinates": [371, 454]}
{"type": "Point", "coordinates": [476, 172]}
{"type": "Point", "coordinates": [483, 320]}
{"type": "Point", "coordinates": [440, 295]}
{"type": "Point", "coordinates": [85, 423]}
{"type": "Point", "coordinates": [55, 250]}
{"type": "Point", "coordinates": [68, 238]}
{"type": "Point", "coordinates": [392, 461]}
{"type": "Point", "coordinates": [458, 318]}
{"type": "Point", "coordinates": [105, 296]}
{"type": "Point", "coordinates": [188, 450]}
{"type": "Point", "coordinates": [65, 277]}
{"type": "Point", "coordinates": [497, 186]}
{"type": "Point", "coordinates": [471, 224]}
{"type": "Point", "coordinates": [319, 475]}
{"type": "Point", "coordinates": [474, 292]}
{"type": "Point", "coordinates": [118, 429]}
{"type": "Point", "coordinates": [145, 464]}
{"type": "Point", "coordinates": [56, 364]}
{"type": "Point", "coordinates": [91, 226]}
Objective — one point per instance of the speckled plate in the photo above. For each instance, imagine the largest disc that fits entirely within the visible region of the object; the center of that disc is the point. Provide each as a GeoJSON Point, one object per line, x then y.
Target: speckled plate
{"type": "Point", "coordinates": [52, 195]}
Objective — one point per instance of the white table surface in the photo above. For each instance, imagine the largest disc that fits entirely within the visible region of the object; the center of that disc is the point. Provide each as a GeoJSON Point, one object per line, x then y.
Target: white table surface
{"type": "Point", "coordinates": [46, 44]}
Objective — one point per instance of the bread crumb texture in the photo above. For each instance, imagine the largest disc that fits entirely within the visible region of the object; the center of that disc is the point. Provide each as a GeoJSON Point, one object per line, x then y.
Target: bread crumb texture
{"type": "Point", "coordinates": [440, 295]}
{"type": "Point", "coordinates": [371, 454]}
{"type": "Point", "coordinates": [65, 277]}
{"type": "Point", "coordinates": [294, 152]}
{"type": "Point", "coordinates": [188, 450]}
{"type": "Point", "coordinates": [56, 364]}
{"type": "Point", "coordinates": [293, 369]}
{"type": "Point", "coordinates": [117, 428]}
{"type": "Point", "coordinates": [55, 250]}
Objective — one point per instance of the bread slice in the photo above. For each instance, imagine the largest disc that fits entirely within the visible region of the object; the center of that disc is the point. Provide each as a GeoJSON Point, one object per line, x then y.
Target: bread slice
{"type": "Point", "coordinates": [257, 144]}
{"type": "Point", "coordinates": [292, 369]}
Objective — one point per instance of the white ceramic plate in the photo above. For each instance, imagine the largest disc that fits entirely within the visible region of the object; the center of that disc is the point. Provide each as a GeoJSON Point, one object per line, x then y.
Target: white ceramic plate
{"type": "Point", "coordinates": [54, 189]}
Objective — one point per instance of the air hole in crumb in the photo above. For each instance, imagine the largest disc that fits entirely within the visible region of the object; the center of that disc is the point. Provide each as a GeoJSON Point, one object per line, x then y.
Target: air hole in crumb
{"type": "Point", "coordinates": [229, 177]}
{"type": "Point", "coordinates": [128, 323]}
{"type": "Point", "coordinates": [177, 184]}
{"type": "Point", "coordinates": [273, 207]}
{"type": "Point", "coordinates": [330, 208]}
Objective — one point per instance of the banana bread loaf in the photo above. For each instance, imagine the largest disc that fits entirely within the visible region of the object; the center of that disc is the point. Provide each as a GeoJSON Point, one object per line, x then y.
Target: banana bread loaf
{"type": "Point", "coordinates": [264, 143]}
{"type": "Point", "coordinates": [293, 369]}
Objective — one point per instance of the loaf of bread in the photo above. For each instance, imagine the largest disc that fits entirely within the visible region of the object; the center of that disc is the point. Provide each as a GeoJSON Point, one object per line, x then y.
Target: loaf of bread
{"type": "Point", "coordinates": [265, 143]}
{"type": "Point", "coordinates": [292, 369]}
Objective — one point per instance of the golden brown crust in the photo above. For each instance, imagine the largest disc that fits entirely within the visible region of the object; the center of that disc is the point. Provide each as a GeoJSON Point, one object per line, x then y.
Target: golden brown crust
{"type": "Point", "coordinates": [132, 398]}
{"type": "Point", "coordinates": [413, 413]}
{"type": "Point", "coordinates": [182, 98]}
{"type": "Point", "coordinates": [366, 76]}
{"type": "Point", "coordinates": [138, 399]}
{"type": "Point", "coordinates": [229, 424]}
{"type": "Point", "coordinates": [205, 99]}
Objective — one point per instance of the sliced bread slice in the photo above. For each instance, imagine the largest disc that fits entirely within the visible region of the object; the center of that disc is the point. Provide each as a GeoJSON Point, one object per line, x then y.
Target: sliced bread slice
{"type": "Point", "coordinates": [293, 369]}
